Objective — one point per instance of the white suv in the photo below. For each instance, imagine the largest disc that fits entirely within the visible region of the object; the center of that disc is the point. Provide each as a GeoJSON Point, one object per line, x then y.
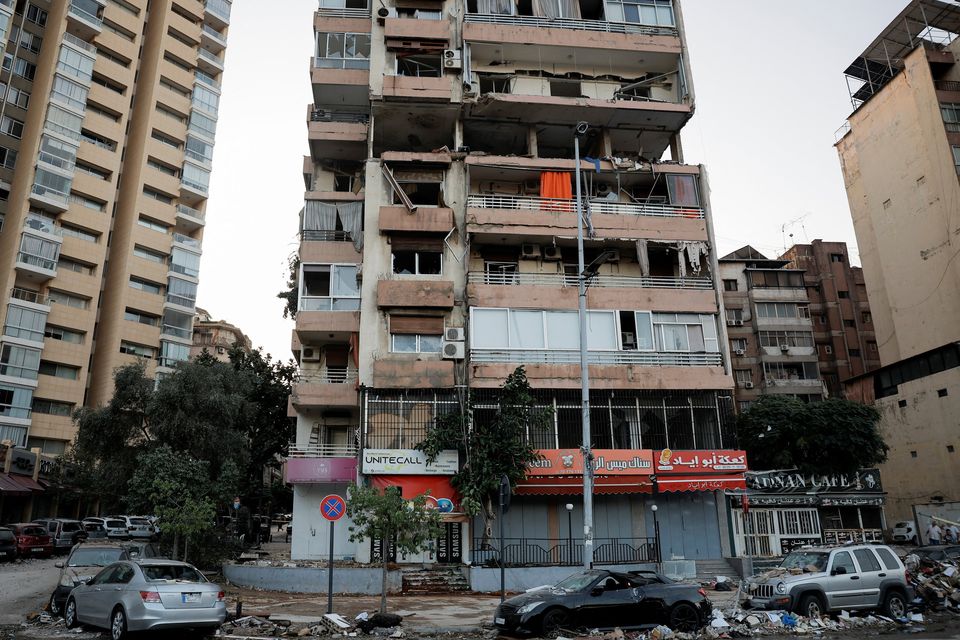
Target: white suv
{"type": "Point", "coordinates": [815, 581]}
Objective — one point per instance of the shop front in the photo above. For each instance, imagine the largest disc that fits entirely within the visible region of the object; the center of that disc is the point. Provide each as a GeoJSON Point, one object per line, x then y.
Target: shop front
{"type": "Point", "coordinates": [314, 478]}
{"type": "Point", "coordinates": [783, 510]}
{"type": "Point", "coordinates": [22, 495]}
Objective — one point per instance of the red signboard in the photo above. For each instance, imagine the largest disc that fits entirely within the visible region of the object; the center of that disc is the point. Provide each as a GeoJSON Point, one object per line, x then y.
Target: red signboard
{"type": "Point", "coordinates": [705, 462]}
{"type": "Point", "coordinates": [606, 462]}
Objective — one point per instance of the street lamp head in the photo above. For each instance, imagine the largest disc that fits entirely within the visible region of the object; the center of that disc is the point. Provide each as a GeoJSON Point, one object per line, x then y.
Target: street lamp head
{"type": "Point", "coordinates": [653, 508]}
{"type": "Point", "coordinates": [569, 507]}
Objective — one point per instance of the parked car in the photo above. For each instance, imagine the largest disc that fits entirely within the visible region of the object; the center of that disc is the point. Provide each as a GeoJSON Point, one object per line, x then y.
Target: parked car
{"type": "Point", "coordinates": [142, 550]}
{"type": "Point", "coordinates": [147, 596]}
{"type": "Point", "coordinates": [8, 544]}
{"type": "Point", "coordinates": [938, 552]}
{"type": "Point", "coordinates": [84, 562]}
{"type": "Point", "coordinates": [94, 531]}
{"type": "Point", "coordinates": [905, 531]}
{"type": "Point", "coordinates": [115, 527]}
{"type": "Point", "coordinates": [65, 533]}
{"type": "Point", "coordinates": [138, 527]}
{"type": "Point", "coordinates": [32, 540]}
{"type": "Point", "coordinates": [602, 599]}
{"type": "Point", "coordinates": [815, 581]}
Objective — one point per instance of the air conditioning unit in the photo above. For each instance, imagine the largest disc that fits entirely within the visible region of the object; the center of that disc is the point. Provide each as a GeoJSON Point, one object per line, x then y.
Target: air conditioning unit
{"type": "Point", "coordinates": [454, 350]}
{"type": "Point", "coordinates": [452, 59]}
{"type": "Point", "coordinates": [221, 350]}
{"type": "Point", "coordinates": [551, 253]}
{"type": "Point", "coordinates": [748, 385]}
{"type": "Point", "coordinates": [784, 347]}
{"type": "Point", "coordinates": [740, 352]}
{"type": "Point", "coordinates": [738, 323]}
{"type": "Point", "coordinates": [310, 354]}
{"type": "Point", "coordinates": [529, 251]}
{"type": "Point", "coordinates": [453, 334]}
{"type": "Point", "coordinates": [614, 255]}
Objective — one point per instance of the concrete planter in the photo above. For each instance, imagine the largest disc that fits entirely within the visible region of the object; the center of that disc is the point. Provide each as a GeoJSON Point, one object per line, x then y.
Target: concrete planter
{"type": "Point", "coordinates": [348, 580]}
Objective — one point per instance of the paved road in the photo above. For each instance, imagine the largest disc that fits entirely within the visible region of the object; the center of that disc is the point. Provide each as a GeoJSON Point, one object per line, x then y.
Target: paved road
{"type": "Point", "coordinates": [25, 586]}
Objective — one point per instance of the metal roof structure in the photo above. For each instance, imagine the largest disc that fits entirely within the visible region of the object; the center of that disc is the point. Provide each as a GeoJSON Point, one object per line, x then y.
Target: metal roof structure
{"type": "Point", "coordinates": [930, 23]}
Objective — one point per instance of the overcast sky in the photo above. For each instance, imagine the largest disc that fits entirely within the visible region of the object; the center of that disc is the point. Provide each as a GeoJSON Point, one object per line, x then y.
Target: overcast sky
{"type": "Point", "coordinates": [770, 96]}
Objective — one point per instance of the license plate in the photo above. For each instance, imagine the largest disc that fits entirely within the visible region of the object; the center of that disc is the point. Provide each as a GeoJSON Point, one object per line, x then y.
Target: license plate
{"type": "Point", "coordinates": [499, 621]}
{"type": "Point", "coordinates": [190, 597]}
{"type": "Point", "coordinates": [37, 549]}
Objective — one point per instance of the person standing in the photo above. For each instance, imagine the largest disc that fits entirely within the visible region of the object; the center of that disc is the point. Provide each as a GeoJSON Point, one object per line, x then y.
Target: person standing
{"type": "Point", "coordinates": [934, 533]}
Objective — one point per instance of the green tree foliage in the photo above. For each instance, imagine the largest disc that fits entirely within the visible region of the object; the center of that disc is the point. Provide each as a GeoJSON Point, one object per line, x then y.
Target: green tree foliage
{"type": "Point", "coordinates": [388, 517]}
{"type": "Point", "coordinates": [177, 489]}
{"type": "Point", "coordinates": [833, 436]}
{"type": "Point", "coordinates": [291, 294]}
{"type": "Point", "coordinates": [491, 448]}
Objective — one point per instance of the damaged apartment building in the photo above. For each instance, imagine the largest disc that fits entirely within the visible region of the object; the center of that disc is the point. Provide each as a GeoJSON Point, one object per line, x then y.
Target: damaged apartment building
{"type": "Point", "coordinates": [438, 254]}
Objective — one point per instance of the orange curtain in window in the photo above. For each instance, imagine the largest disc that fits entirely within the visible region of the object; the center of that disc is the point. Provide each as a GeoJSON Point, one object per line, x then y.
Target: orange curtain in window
{"type": "Point", "coordinates": [555, 184]}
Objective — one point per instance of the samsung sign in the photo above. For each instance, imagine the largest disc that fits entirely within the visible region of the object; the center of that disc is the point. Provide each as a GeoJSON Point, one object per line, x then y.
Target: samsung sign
{"type": "Point", "coordinates": [409, 462]}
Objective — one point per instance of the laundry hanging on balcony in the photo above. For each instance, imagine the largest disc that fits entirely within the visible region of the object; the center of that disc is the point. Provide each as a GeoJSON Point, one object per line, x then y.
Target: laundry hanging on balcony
{"type": "Point", "coordinates": [643, 258]}
{"type": "Point", "coordinates": [691, 252]}
{"type": "Point", "coordinates": [321, 216]}
{"type": "Point", "coordinates": [555, 185]}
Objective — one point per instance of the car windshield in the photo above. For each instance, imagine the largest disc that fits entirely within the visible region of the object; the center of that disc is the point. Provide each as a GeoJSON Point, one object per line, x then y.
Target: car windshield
{"type": "Point", "coordinates": [140, 522]}
{"type": "Point", "coordinates": [94, 557]}
{"type": "Point", "coordinates": [171, 573]}
{"type": "Point", "coordinates": [808, 561]}
{"type": "Point", "coordinates": [34, 531]}
{"type": "Point", "coordinates": [116, 524]}
{"type": "Point", "coordinates": [577, 582]}
{"type": "Point", "coordinates": [901, 525]}
{"type": "Point", "coordinates": [71, 526]}
{"type": "Point", "coordinates": [6, 535]}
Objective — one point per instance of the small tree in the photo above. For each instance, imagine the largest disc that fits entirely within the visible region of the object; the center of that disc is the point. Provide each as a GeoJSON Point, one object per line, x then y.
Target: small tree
{"type": "Point", "coordinates": [386, 516]}
{"type": "Point", "coordinates": [833, 436]}
{"type": "Point", "coordinates": [491, 448]}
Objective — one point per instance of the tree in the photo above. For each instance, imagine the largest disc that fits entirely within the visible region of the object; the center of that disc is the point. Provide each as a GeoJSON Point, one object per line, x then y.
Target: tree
{"type": "Point", "coordinates": [291, 294]}
{"type": "Point", "coordinates": [386, 516]}
{"type": "Point", "coordinates": [491, 448]}
{"type": "Point", "coordinates": [177, 489]}
{"type": "Point", "coordinates": [832, 436]}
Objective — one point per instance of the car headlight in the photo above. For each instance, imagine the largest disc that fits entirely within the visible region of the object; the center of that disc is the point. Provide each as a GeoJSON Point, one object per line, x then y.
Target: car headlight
{"type": "Point", "coordinates": [66, 581]}
{"type": "Point", "coordinates": [781, 588]}
{"type": "Point", "coordinates": [530, 606]}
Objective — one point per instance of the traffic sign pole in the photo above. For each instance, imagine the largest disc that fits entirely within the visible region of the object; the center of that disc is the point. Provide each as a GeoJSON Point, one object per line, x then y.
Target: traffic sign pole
{"type": "Point", "coordinates": [332, 508]}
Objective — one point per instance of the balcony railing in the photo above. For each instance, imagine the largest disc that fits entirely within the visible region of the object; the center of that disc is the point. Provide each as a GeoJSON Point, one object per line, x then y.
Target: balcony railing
{"type": "Point", "coordinates": [341, 63]}
{"type": "Point", "coordinates": [36, 261]}
{"type": "Point", "coordinates": [342, 12]}
{"type": "Point", "coordinates": [555, 205]}
{"type": "Point", "coordinates": [213, 33]}
{"type": "Point", "coordinates": [219, 8]}
{"type": "Point", "coordinates": [196, 186]}
{"type": "Point", "coordinates": [642, 358]}
{"type": "Point", "coordinates": [77, 42]}
{"type": "Point", "coordinates": [318, 235]}
{"type": "Point", "coordinates": [186, 240]}
{"type": "Point", "coordinates": [564, 280]}
{"type": "Point", "coordinates": [328, 376]}
{"type": "Point", "coordinates": [852, 536]}
{"type": "Point", "coordinates": [327, 115]}
{"type": "Point", "coordinates": [552, 552]}
{"type": "Point", "coordinates": [84, 13]}
{"type": "Point", "coordinates": [13, 411]}
{"type": "Point", "coordinates": [947, 85]}
{"type": "Point", "coordinates": [182, 301]}
{"type": "Point", "coordinates": [792, 382]}
{"type": "Point", "coordinates": [42, 224]}
{"type": "Point", "coordinates": [568, 23]}
{"type": "Point", "coordinates": [190, 211]}
{"type": "Point", "coordinates": [50, 194]}
{"type": "Point", "coordinates": [323, 451]}
{"type": "Point", "coordinates": [206, 79]}
{"type": "Point", "coordinates": [326, 303]}
{"type": "Point", "coordinates": [29, 296]}
{"type": "Point", "coordinates": [177, 332]}
{"type": "Point", "coordinates": [209, 57]}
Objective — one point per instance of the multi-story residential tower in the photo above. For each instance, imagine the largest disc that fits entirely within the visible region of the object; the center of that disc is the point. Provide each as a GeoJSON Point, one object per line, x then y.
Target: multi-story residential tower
{"type": "Point", "coordinates": [216, 336]}
{"type": "Point", "coordinates": [439, 254]}
{"type": "Point", "coordinates": [768, 321]}
{"type": "Point", "coordinates": [900, 154]}
{"type": "Point", "coordinates": [107, 133]}
{"type": "Point", "coordinates": [839, 310]}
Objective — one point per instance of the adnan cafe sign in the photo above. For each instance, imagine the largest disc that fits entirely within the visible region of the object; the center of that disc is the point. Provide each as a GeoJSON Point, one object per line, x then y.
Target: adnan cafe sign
{"type": "Point", "coordinates": [792, 488]}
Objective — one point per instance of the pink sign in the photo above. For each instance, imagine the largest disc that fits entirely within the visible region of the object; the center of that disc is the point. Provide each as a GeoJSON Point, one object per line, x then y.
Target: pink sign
{"type": "Point", "coordinates": [313, 470]}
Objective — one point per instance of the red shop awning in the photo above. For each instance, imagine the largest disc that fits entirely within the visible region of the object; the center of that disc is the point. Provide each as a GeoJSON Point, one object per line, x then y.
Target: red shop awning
{"type": "Point", "coordinates": [11, 488]}
{"type": "Point", "coordinates": [573, 485]}
{"type": "Point", "coordinates": [700, 483]}
{"type": "Point", "coordinates": [26, 482]}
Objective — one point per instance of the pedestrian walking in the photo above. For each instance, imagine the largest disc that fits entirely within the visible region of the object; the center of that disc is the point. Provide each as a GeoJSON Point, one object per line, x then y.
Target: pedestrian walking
{"type": "Point", "coordinates": [934, 533]}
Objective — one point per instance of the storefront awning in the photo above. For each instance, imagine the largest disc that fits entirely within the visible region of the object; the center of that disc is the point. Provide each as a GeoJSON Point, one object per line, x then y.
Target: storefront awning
{"type": "Point", "coordinates": [10, 487]}
{"type": "Point", "coordinates": [573, 485]}
{"type": "Point", "coordinates": [25, 482]}
{"type": "Point", "coordinates": [701, 483]}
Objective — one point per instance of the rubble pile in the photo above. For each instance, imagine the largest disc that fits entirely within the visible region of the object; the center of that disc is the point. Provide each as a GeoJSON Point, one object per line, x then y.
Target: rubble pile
{"type": "Point", "coordinates": [331, 624]}
{"type": "Point", "coordinates": [937, 584]}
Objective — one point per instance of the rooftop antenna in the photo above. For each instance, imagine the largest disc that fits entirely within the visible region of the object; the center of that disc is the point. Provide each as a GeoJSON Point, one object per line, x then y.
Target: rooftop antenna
{"type": "Point", "coordinates": [791, 223]}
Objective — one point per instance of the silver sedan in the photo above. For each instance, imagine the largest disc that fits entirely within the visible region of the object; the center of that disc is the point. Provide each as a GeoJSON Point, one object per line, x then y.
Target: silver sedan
{"type": "Point", "coordinates": [150, 595]}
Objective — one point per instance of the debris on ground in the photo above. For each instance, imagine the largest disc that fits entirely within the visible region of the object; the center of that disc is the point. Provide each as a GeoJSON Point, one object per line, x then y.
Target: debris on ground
{"type": "Point", "coordinates": [384, 625]}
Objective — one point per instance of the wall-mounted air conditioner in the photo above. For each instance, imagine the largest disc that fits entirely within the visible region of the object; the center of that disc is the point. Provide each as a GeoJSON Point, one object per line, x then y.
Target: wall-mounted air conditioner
{"type": "Point", "coordinates": [452, 59]}
{"type": "Point", "coordinates": [748, 385]}
{"type": "Point", "coordinates": [453, 334]}
{"type": "Point", "coordinates": [529, 251]}
{"type": "Point", "coordinates": [740, 352]}
{"type": "Point", "coordinates": [454, 350]}
{"type": "Point", "coordinates": [310, 354]}
{"type": "Point", "coordinates": [551, 253]}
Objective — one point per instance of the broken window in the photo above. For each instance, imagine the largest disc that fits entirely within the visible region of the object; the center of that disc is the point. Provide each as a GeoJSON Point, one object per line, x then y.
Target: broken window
{"type": "Point", "coordinates": [343, 50]}
{"type": "Point", "coordinates": [414, 256]}
{"type": "Point", "coordinates": [493, 7]}
{"type": "Point", "coordinates": [495, 84]}
{"type": "Point", "coordinates": [418, 14]}
{"type": "Point", "coordinates": [329, 287]}
{"type": "Point", "coordinates": [565, 88]}
{"type": "Point", "coordinates": [344, 4]}
{"type": "Point", "coordinates": [420, 65]}
{"type": "Point", "coordinates": [423, 188]}
{"type": "Point", "coordinates": [500, 272]}
{"type": "Point", "coordinates": [683, 190]}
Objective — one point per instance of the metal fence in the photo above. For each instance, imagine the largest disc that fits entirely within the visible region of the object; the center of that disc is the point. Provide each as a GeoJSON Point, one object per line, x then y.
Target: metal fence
{"type": "Point", "coordinates": [568, 23]}
{"type": "Point", "coordinates": [567, 280]}
{"type": "Point", "coordinates": [551, 552]}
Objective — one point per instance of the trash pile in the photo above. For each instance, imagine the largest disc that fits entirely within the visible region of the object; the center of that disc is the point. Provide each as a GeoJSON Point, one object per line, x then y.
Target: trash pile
{"type": "Point", "coordinates": [937, 584]}
{"type": "Point", "coordinates": [332, 624]}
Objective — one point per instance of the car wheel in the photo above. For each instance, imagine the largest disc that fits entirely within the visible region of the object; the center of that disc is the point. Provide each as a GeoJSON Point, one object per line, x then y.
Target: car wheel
{"type": "Point", "coordinates": [70, 614]}
{"type": "Point", "coordinates": [810, 606]}
{"type": "Point", "coordinates": [118, 624]}
{"type": "Point", "coordinates": [554, 621]}
{"type": "Point", "coordinates": [894, 605]}
{"type": "Point", "coordinates": [684, 618]}
{"type": "Point", "coordinates": [54, 607]}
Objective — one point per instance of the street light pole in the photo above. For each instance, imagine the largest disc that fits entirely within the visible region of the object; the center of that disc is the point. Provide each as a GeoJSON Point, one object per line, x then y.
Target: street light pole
{"type": "Point", "coordinates": [656, 532]}
{"type": "Point", "coordinates": [584, 372]}
{"type": "Point", "coordinates": [570, 531]}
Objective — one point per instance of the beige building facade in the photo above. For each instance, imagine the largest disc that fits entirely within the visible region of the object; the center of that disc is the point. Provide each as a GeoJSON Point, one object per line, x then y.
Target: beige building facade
{"type": "Point", "coordinates": [900, 154]}
{"type": "Point", "coordinates": [216, 336]}
{"type": "Point", "coordinates": [106, 141]}
{"type": "Point", "coordinates": [438, 254]}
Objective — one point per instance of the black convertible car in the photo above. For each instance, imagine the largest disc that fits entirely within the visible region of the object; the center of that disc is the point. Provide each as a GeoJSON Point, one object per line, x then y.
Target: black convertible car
{"type": "Point", "coordinates": [603, 599]}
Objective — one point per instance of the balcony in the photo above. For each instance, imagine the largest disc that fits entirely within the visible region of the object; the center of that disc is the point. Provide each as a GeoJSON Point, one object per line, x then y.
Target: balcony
{"type": "Point", "coordinates": [559, 291]}
{"type": "Point", "coordinates": [418, 88]}
{"type": "Point", "coordinates": [187, 241]}
{"type": "Point", "coordinates": [397, 373]}
{"type": "Point", "coordinates": [85, 18]}
{"type": "Point", "coordinates": [209, 63]}
{"type": "Point", "coordinates": [416, 29]}
{"type": "Point", "coordinates": [541, 23]}
{"type": "Point", "coordinates": [33, 297]}
{"type": "Point", "coordinates": [431, 294]}
{"type": "Point", "coordinates": [792, 382]}
{"type": "Point", "coordinates": [211, 39]}
{"type": "Point", "coordinates": [426, 219]}
{"type": "Point", "coordinates": [638, 358]}
{"type": "Point", "coordinates": [338, 134]}
{"type": "Point", "coordinates": [314, 464]}
{"type": "Point", "coordinates": [323, 451]}
{"type": "Point", "coordinates": [316, 327]}
{"type": "Point", "coordinates": [49, 199]}
{"type": "Point", "coordinates": [341, 81]}
{"type": "Point", "coordinates": [190, 219]}
{"type": "Point", "coordinates": [218, 13]}
{"type": "Point", "coordinates": [326, 388]}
